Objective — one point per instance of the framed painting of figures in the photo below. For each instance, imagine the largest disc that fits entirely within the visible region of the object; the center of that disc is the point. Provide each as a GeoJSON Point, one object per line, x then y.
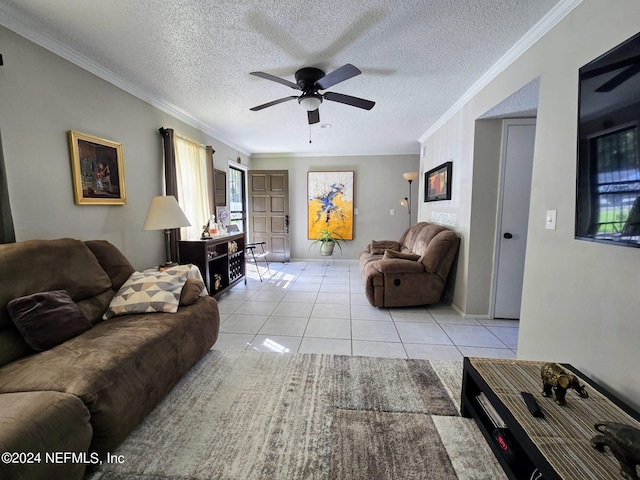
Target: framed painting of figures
{"type": "Point", "coordinates": [97, 169]}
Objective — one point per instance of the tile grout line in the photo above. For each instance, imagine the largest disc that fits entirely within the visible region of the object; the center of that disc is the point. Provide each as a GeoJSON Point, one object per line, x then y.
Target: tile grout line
{"type": "Point", "coordinates": [326, 273]}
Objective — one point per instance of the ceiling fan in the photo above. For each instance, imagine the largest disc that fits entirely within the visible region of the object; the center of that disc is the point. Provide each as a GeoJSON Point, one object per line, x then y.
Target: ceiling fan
{"type": "Point", "coordinates": [619, 79]}
{"type": "Point", "coordinates": [630, 66]}
{"type": "Point", "coordinates": [311, 80]}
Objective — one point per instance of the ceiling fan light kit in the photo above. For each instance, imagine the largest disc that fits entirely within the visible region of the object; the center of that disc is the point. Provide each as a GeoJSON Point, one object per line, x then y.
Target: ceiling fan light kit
{"type": "Point", "coordinates": [310, 102]}
{"type": "Point", "coordinates": [311, 80]}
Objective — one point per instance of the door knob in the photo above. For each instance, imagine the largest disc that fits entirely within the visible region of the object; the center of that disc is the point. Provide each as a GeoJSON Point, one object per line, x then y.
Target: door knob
{"type": "Point", "coordinates": [508, 235]}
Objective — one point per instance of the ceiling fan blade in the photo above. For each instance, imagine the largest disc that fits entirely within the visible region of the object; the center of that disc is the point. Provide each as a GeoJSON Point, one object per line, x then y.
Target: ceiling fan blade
{"type": "Point", "coordinates": [619, 79]}
{"type": "Point", "coordinates": [314, 116]}
{"type": "Point", "coordinates": [610, 67]}
{"type": "Point", "coordinates": [273, 78]}
{"type": "Point", "coordinates": [349, 100]}
{"type": "Point", "coordinates": [271, 104]}
{"type": "Point", "coordinates": [340, 75]}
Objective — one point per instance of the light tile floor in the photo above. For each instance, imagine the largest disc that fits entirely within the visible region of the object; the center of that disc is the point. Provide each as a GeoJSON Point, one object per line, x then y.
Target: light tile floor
{"type": "Point", "coordinates": [311, 307]}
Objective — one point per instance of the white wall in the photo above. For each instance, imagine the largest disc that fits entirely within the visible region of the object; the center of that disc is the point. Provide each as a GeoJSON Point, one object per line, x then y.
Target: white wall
{"type": "Point", "coordinates": [579, 299]}
{"type": "Point", "coordinates": [378, 186]}
{"type": "Point", "coordinates": [42, 97]}
{"type": "Point", "coordinates": [484, 201]}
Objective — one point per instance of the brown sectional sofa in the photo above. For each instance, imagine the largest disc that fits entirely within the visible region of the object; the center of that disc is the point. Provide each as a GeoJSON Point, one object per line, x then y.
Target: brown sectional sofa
{"type": "Point", "coordinates": [411, 271]}
{"type": "Point", "coordinates": [88, 393]}
{"type": "Point", "coordinates": [32, 422]}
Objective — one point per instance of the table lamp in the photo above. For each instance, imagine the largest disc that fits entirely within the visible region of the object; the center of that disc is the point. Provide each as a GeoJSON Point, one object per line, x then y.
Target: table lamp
{"type": "Point", "coordinates": [165, 214]}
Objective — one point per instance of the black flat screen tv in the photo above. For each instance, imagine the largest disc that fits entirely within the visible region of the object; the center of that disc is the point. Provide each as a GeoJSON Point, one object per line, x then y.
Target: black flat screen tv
{"type": "Point", "coordinates": [608, 173]}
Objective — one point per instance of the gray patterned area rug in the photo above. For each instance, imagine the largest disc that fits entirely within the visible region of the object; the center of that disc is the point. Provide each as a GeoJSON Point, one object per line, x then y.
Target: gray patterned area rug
{"type": "Point", "coordinates": [248, 415]}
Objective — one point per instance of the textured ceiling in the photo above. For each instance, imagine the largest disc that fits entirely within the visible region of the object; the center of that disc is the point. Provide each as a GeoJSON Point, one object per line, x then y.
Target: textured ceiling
{"type": "Point", "coordinates": [417, 58]}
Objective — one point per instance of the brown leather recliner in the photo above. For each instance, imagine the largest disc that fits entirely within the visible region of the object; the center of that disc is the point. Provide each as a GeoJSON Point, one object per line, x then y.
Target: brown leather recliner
{"type": "Point", "coordinates": [411, 271]}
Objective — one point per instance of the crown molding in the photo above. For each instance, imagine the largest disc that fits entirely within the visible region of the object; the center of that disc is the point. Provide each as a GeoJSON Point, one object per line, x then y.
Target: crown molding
{"type": "Point", "coordinates": [9, 20]}
{"type": "Point", "coordinates": [270, 155]}
{"type": "Point", "coordinates": [550, 20]}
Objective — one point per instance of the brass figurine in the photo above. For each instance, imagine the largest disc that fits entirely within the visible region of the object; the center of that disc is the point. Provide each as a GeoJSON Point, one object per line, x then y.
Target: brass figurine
{"type": "Point", "coordinates": [624, 443]}
{"type": "Point", "coordinates": [205, 231]}
{"type": "Point", "coordinates": [555, 377]}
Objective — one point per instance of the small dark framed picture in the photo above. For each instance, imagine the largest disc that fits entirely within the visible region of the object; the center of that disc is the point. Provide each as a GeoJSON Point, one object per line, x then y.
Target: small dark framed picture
{"type": "Point", "coordinates": [437, 183]}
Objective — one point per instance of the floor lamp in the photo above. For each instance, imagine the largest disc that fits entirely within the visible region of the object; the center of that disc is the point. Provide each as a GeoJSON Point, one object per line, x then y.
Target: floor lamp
{"type": "Point", "coordinates": [406, 201]}
{"type": "Point", "coordinates": [165, 214]}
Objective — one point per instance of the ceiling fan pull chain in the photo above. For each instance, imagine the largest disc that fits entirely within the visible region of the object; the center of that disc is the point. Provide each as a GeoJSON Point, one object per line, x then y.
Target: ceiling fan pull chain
{"type": "Point", "coordinates": [309, 133]}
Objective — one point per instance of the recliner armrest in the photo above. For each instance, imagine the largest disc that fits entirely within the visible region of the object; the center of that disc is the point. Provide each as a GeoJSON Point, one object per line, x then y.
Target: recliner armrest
{"type": "Point", "coordinates": [399, 265]}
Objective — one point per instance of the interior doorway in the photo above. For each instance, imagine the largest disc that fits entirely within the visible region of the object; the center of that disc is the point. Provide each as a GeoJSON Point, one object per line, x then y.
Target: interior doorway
{"type": "Point", "coordinates": [514, 192]}
{"type": "Point", "coordinates": [269, 212]}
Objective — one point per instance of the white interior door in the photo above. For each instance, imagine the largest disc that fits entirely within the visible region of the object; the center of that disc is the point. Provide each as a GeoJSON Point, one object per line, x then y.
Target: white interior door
{"type": "Point", "coordinates": [518, 137]}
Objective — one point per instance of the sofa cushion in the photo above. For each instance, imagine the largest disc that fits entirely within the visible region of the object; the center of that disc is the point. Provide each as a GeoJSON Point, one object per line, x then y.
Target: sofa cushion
{"type": "Point", "coordinates": [377, 247]}
{"type": "Point", "coordinates": [147, 292]}
{"type": "Point", "coordinates": [409, 237]}
{"type": "Point", "coordinates": [441, 253]}
{"type": "Point", "coordinates": [399, 265]}
{"type": "Point", "coordinates": [12, 345]}
{"type": "Point", "coordinates": [403, 255]}
{"type": "Point", "coordinates": [112, 261]}
{"type": "Point", "coordinates": [47, 319]}
{"type": "Point", "coordinates": [43, 265]}
{"type": "Point", "coordinates": [41, 423]}
{"type": "Point", "coordinates": [192, 289]}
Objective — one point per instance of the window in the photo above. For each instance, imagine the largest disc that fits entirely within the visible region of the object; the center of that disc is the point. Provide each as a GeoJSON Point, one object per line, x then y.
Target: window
{"type": "Point", "coordinates": [617, 182]}
{"type": "Point", "coordinates": [193, 190]}
{"type": "Point", "coordinates": [237, 204]}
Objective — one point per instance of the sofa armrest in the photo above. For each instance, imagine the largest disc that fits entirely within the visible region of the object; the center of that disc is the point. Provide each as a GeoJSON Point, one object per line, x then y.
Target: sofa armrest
{"type": "Point", "coordinates": [399, 265]}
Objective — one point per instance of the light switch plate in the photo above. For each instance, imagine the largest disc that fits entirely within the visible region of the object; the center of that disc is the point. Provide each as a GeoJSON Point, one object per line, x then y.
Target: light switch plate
{"type": "Point", "coordinates": [550, 220]}
{"type": "Point", "coordinates": [392, 212]}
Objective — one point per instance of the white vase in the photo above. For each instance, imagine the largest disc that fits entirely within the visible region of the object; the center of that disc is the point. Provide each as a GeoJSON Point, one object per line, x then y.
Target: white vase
{"type": "Point", "coordinates": [326, 248]}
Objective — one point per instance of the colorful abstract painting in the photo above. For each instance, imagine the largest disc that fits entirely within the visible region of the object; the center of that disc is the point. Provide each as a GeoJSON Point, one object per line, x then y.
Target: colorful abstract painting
{"type": "Point", "coordinates": [330, 203]}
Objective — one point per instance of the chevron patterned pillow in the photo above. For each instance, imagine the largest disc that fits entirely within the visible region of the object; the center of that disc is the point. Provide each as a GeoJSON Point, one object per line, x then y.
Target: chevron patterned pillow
{"type": "Point", "coordinates": [148, 292]}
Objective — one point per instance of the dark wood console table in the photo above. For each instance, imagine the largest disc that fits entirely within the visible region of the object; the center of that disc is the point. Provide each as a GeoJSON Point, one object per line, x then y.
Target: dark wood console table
{"type": "Point", "coordinates": [554, 447]}
{"type": "Point", "coordinates": [219, 259]}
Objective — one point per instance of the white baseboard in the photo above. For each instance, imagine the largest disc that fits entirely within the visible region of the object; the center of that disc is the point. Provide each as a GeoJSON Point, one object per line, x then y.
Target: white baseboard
{"type": "Point", "coordinates": [467, 315]}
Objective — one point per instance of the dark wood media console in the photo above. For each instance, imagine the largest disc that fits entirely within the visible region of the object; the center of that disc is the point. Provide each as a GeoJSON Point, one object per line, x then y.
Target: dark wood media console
{"type": "Point", "coordinates": [529, 448]}
{"type": "Point", "coordinates": [219, 259]}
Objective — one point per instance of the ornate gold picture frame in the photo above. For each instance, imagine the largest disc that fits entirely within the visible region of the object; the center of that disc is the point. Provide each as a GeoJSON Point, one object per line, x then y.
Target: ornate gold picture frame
{"type": "Point", "coordinates": [97, 170]}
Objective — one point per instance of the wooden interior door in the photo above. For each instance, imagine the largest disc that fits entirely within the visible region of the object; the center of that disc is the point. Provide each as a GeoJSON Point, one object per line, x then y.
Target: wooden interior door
{"type": "Point", "coordinates": [269, 212]}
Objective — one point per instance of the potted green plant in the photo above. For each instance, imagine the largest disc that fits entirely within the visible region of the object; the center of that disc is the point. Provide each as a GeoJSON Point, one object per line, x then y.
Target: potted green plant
{"type": "Point", "coordinates": [328, 239]}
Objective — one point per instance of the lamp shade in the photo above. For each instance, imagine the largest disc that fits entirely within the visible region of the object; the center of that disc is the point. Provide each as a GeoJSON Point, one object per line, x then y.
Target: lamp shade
{"type": "Point", "coordinates": [164, 214]}
{"type": "Point", "coordinates": [409, 176]}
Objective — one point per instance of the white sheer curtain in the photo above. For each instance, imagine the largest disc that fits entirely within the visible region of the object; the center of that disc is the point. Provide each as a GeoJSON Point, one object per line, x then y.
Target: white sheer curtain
{"type": "Point", "coordinates": [193, 186]}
